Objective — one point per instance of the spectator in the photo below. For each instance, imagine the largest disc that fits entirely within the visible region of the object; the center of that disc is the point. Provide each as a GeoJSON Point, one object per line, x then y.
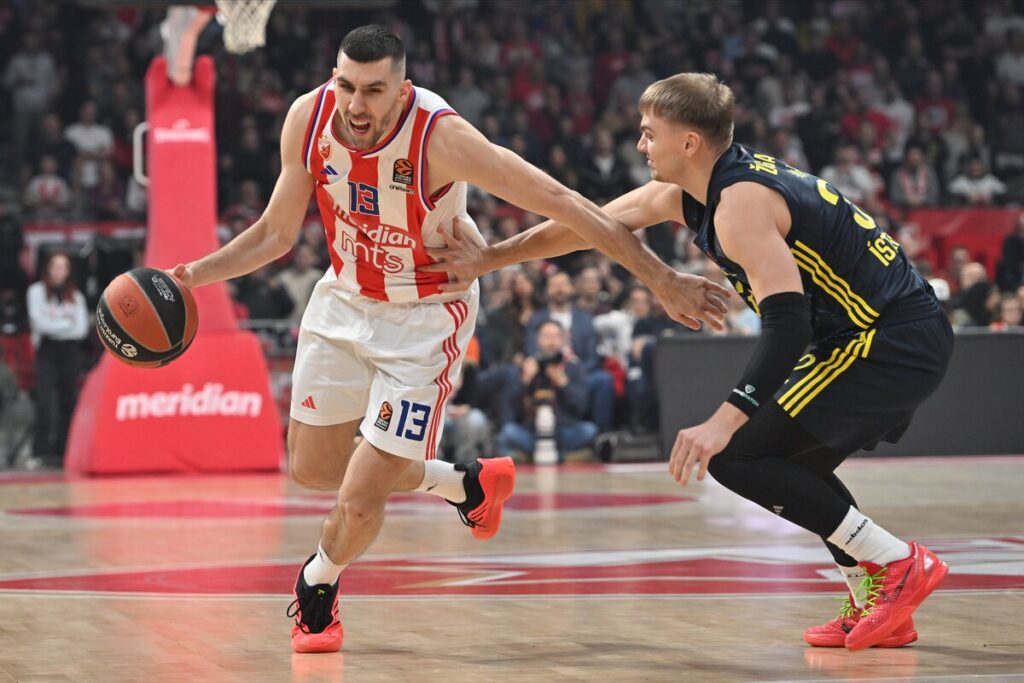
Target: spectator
{"type": "Point", "coordinates": [604, 176]}
{"type": "Point", "coordinates": [47, 194]}
{"type": "Point", "coordinates": [1010, 63]}
{"type": "Point", "coordinates": [299, 277]}
{"type": "Point", "coordinates": [977, 298]}
{"type": "Point", "coordinates": [467, 98]}
{"type": "Point", "coordinates": [915, 183]}
{"type": "Point", "coordinates": [94, 143]}
{"type": "Point", "coordinates": [937, 108]}
{"type": "Point", "coordinates": [59, 322]}
{"type": "Point", "coordinates": [579, 325]}
{"type": "Point", "coordinates": [264, 296]}
{"type": "Point", "coordinates": [1010, 313]}
{"type": "Point", "coordinates": [52, 143]}
{"type": "Point", "coordinates": [1010, 271]}
{"type": "Point", "coordinates": [849, 176]}
{"type": "Point", "coordinates": [33, 81]}
{"type": "Point", "coordinates": [106, 199]}
{"type": "Point", "coordinates": [590, 294]}
{"type": "Point", "coordinates": [977, 187]}
{"type": "Point", "coordinates": [549, 377]}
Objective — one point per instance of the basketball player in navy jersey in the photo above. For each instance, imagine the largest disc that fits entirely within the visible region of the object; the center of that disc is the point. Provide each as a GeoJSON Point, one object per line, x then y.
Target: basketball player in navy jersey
{"type": "Point", "coordinates": [380, 343]}
{"type": "Point", "coordinates": [853, 340]}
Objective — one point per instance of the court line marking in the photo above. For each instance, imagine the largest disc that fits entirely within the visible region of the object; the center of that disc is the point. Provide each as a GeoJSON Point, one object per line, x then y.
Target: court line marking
{"type": "Point", "coordinates": [264, 597]}
{"type": "Point", "coordinates": [1011, 675]}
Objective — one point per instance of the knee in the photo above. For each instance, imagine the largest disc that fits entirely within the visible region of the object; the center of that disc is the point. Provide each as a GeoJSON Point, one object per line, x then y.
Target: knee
{"type": "Point", "coordinates": [360, 513]}
{"type": "Point", "coordinates": [726, 468]}
{"type": "Point", "coordinates": [307, 470]}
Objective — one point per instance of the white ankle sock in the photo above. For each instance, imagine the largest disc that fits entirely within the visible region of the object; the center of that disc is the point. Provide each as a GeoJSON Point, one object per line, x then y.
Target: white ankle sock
{"type": "Point", "coordinates": [865, 541]}
{"type": "Point", "coordinates": [321, 570]}
{"type": "Point", "coordinates": [854, 575]}
{"type": "Point", "coordinates": [442, 479]}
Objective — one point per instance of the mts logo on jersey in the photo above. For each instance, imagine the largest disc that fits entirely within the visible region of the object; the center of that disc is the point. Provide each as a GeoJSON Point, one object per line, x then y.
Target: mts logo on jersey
{"type": "Point", "coordinates": [384, 239]}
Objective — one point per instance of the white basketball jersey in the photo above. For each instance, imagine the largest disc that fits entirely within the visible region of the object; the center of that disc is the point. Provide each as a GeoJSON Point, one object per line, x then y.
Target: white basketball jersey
{"type": "Point", "coordinates": [375, 205]}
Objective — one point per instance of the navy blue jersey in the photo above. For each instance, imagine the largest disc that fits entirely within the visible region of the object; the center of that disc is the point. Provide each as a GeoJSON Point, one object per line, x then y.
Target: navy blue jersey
{"type": "Point", "coordinates": [855, 275]}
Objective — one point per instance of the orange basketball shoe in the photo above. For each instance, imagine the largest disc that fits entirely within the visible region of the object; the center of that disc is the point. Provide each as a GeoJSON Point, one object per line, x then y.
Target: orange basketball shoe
{"type": "Point", "coordinates": [489, 482]}
{"type": "Point", "coordinates": [315, 609]}
{"type": "Point", "coordinates": [833, 633]}
{"type": "Point", "coordinates": [894, 592]}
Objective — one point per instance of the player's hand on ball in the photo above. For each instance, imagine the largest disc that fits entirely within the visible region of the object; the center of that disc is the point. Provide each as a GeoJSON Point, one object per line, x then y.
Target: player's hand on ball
{"type": "Point", "coordinates": [691, 299]}
{"type": "Point", "coordinates": [183, 274]}
{"type": "Point", "coordinates": [461, 258]}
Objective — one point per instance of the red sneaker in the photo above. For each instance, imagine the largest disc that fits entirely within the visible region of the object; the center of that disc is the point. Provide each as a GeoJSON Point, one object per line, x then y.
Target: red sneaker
{"type": "Point", "coordinates": [894, 593]}
{"type": "Point", "coordinates": [489, 482]}
{"type": "Point", "coordinates": [833, 633]}
{"type": "Point", "coordinates": [315, 609]}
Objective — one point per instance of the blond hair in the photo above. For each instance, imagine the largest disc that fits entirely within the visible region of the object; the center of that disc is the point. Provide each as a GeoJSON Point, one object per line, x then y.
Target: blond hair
{"type": "Point", "coordinates": [698, 100]}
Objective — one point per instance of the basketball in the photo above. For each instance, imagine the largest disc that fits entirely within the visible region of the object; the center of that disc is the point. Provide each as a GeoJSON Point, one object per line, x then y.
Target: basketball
{"type": "Point", "coordinates": [146, 318]}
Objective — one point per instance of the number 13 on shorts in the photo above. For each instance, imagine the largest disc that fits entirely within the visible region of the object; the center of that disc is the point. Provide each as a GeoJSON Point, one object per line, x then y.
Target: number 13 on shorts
{"type": "Point", "coordinates": [413, 419]}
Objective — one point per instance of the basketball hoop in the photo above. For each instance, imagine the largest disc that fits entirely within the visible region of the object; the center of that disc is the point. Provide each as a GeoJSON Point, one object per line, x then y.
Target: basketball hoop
{"type": "Point", "coordinates": [245, 23]}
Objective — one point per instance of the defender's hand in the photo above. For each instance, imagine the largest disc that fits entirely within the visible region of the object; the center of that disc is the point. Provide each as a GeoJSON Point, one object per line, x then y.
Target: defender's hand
{"type": "Point", "coordinates": [461, 258]}
{"type": "Point", "coordinates": [690, 299]}
{"type": "Point", "coordinates": [697, 445]}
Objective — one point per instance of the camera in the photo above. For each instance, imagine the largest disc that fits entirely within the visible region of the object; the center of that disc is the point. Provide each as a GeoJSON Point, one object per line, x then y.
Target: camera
{"type": "Point", "coordinates": [546, 359]}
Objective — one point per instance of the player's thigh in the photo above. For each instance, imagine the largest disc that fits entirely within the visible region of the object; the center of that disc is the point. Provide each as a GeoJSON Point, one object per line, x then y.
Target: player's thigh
{"type": "Point", "coordinates": [318, 455]}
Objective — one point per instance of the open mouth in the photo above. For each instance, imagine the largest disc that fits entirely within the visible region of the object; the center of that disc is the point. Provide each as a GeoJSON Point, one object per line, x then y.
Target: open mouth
{"type": "Point", "coordinates": [359, 128]}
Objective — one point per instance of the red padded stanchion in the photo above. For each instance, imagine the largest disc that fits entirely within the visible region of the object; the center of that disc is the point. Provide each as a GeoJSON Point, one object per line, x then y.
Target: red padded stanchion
{"type": "Point", "coordinates": [211, 409]}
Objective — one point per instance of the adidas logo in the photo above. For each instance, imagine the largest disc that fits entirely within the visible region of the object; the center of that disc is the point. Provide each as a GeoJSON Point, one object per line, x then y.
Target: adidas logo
{"type": "Point", "coordinates": [308, 403]}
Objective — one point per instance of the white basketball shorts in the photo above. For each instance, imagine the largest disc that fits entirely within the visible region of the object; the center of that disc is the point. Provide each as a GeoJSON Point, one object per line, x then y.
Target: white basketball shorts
{"type": "Point", "coordinates": [392, 364]}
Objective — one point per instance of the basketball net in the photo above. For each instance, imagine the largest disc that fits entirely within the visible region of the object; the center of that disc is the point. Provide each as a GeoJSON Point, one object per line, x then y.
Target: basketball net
{"type": "Point", "coordinates": [245, 23]}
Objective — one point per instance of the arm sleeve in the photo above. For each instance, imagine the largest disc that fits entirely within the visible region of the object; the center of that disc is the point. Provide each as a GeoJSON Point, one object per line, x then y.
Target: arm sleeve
{"type": "Point", "coordinates": [785, 333]}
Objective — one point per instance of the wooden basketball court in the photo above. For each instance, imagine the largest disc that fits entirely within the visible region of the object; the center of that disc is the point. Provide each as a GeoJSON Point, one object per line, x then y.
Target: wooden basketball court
{"type": "Point", "coordinates": [598, 574]}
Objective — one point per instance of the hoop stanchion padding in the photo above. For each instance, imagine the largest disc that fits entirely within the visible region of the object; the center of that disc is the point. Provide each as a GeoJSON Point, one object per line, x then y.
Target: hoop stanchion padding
{"type": "Point", "coordinates": [211, 409]}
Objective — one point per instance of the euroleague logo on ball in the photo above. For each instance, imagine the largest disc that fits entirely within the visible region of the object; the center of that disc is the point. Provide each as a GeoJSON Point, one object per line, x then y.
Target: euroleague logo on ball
{"type": "Point", "coordinates": [129, 351]}
{"type": "Point", "coordinates": [161, 286]}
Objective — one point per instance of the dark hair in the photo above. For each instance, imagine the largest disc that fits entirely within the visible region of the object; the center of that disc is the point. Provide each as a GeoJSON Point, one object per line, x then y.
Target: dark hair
{"type": "Point", "coordinates": [64, 291]}
{"type": "Point", "coordinates": [372, 43]}
{"type": "Point", "coordinates": [551, 321]}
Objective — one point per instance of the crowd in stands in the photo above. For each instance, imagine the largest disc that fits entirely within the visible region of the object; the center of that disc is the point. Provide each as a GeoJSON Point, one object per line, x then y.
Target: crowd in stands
{"type": "Point", "coordinates": [899, 104]}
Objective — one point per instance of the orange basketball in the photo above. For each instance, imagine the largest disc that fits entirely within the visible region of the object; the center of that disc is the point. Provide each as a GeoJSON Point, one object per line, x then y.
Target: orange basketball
{"type": "Point", "coordinates": [146, 318]}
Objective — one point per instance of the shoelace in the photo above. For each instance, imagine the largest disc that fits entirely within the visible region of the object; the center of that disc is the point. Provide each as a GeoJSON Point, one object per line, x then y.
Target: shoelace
{"type": "Point", "coordinates": [295, 610]}
{"type": "Point", "coordinates": [846, 610]}
{"type": "Point", "coordinates": [870, 588]}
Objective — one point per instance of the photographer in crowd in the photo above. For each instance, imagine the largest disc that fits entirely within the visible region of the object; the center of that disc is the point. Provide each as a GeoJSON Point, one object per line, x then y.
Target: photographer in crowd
{"type": "Point", "coordinates": [551, 397]}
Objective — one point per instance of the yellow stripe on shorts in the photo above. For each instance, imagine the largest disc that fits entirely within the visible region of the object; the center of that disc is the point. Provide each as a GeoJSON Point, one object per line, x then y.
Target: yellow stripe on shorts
{"type": "Point", "coordinates": [857, 348]}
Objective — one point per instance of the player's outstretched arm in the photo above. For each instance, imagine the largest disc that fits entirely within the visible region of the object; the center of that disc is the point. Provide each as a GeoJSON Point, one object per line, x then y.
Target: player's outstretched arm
{"type": "Point", "coordinates": [274, 233]}
{"type": "Point", "coordinates": [460, 152]}
{"type": "Point", "coordinates": [652, 203]}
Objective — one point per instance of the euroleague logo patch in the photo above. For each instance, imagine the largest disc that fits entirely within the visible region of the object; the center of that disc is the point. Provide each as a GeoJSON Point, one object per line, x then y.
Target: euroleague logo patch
{"type": "Point", "coordinates": [384, 416]}
{"type": "Point", "coordinates": [403, 172]}
{"type": "Point", "coordinates": [129, 351]}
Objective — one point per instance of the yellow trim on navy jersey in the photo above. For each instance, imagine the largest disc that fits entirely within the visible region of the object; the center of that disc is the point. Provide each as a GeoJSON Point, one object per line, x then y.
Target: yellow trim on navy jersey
{"type": "Point", "coordinates": [856, 307]}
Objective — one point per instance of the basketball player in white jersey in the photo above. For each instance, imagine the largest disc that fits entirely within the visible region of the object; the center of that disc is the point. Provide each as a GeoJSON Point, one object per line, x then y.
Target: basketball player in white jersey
{"type": "Point", "coordinates": [380, 344]}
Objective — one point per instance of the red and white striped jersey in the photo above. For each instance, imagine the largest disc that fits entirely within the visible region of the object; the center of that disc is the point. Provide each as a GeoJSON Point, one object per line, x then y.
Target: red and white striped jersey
{"type": "Point", "coordinates": [375, 205]}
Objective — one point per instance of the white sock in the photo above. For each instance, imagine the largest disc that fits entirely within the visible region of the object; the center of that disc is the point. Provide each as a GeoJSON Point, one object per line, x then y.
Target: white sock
{"type": "Point", "coordinates": [440, 478]}
{"type": "Point", "coordinates": [321, 570]}
{"type": "Point", "coordinates": [865, 541]}
{"type": "Point", "coordinates": [854, 575]}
